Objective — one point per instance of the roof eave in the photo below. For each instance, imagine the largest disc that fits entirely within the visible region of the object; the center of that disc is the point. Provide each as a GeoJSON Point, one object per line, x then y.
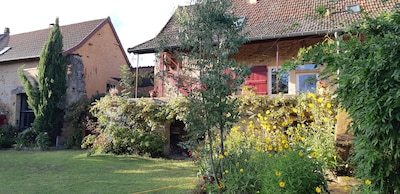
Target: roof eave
{"type": "Point", "coordinates": [296, 34]}
{"type": "Point", "coordinates": [252, 39]}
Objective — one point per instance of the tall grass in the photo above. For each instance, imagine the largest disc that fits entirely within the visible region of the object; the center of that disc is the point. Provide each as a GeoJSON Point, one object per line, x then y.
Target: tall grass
{"type": "Point", "coordinates": [72, 172]}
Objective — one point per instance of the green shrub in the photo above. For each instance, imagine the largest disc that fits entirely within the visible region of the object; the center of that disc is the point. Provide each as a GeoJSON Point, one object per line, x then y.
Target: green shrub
{"type": "Point", "coordinates": [42, 140]}
{"type": "Point", "coordinates": [242, 173]}
{"type": "Point", "coordinates": [291, 172]}
{"type": "Point", "coordinates": [8, 135]}
{"type": "Point", "coordinates": [75, 122]}
{"type": "Point", "coordinates": [27, 138]}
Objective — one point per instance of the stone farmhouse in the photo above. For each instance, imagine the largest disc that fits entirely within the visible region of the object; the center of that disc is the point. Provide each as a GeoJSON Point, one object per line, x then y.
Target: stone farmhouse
{"type": "Point", "coordinates": [94, 54]}
{"type": "Point", "coordinates": [276, 29]}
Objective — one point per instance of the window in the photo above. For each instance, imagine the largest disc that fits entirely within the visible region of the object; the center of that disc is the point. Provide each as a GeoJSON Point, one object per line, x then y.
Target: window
{"type": "Point", "coordinates": [26, 114]}
{"type": "Point", "coordinates": [277, 84]}
{"type": "Point", "coordinates": [306, 78]}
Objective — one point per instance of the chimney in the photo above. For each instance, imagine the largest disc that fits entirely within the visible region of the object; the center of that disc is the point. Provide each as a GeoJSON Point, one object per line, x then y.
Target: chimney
{"type": "Point", "coordinates": [6, 30]}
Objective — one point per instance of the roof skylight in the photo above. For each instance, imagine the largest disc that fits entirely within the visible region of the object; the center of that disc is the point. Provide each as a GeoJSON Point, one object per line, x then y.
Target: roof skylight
{"type": "Point", "coordinates": [4, 50]}
{"type": "Point", "coordinates": [353, 8]}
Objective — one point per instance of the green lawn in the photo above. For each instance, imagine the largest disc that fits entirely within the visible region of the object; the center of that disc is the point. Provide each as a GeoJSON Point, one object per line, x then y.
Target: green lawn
{"type": "Point", "coordinates": [72, 172]}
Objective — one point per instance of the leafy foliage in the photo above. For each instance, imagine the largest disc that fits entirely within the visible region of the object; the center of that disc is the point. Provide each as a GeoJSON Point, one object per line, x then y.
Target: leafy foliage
{"type": "Point", "coordinates": [76, 116]}
{"type": "Point", "coordinates": [127, 127]}
{"type": "Point", "coordinates": [45, 95]}
{"type": "Point", "coordinates": [211, 35]}
{"type": "Point", "coordinates": [271, 133]}
{"type": "Point", "coordinates": [368, 79]}
{"type": "Point", "coordinates": [8, 135]}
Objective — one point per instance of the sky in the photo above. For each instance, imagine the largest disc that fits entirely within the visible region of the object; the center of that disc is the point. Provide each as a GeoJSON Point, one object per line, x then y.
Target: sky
{"type": "Point", "coordinates": [135, 21]}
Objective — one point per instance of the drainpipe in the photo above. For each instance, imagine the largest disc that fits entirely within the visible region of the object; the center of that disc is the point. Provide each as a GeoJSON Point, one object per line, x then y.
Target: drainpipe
{"type": "Point", "coordinates": [277, 65]}
{"type": "Point", "coordinates": [137, 76]}
{"type": "Point", "coordinates": [160, 81]}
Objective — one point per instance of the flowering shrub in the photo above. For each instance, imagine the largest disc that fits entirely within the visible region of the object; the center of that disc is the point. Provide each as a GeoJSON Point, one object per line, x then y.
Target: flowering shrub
{"type": "Point", "coordinates": [281, 145]}
{"type": "Point", "coordinates": [291, 171]}
{"type": "Point", "coordinates": [364, 187]}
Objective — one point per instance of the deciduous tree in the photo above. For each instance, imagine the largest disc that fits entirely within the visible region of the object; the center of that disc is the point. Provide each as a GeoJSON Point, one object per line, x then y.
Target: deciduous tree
{"type": "Point", "coordinates": [210, 34]}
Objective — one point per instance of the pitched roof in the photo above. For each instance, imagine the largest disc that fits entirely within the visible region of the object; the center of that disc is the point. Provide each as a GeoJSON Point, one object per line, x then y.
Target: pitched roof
{"type": "Point", "coordinates": [272, 19]}
{"type": "Point", "coordinates": [29, 45]}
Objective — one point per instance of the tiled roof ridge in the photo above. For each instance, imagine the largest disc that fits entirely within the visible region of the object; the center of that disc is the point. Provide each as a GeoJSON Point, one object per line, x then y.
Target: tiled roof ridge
{"type": "Point", "coordinates": [28, 45]}
{"type": "Point", "coordinates": [61, 26]}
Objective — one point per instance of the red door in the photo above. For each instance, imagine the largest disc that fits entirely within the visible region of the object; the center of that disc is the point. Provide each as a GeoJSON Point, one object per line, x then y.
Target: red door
{"type": "Point", "coordinates": [258, 79]}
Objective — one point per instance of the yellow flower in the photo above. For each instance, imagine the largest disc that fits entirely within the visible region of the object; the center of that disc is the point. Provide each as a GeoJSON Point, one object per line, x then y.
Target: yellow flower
{"type": "Point", "coordinates": [282, 184]}
{"type": "Point", "coordinates": [277, 173]}
{"type": "Point", "coordinates": [346, 188]}
{"type": "Point", "coordinates": [320, 100]}
{"type": "Point", "coordinates": [274, 127]}
{"type": "Point", "coordinates": [226, 153]}
{"type": "Point", "coordinates": [314, 154]}
{"type": "Point", "coordinates": [284, 124]}
{"type": "Point", "coordinates": [311, 105]}
{"type": "Point", "coordinates": [286, 145]}
{"type": "Point", "coordinates": [258, 148]}
{"type": "Point", "coordinates": [267, 112]}
{"type": "Point", "coordinates": [347, 178]}
{"type": "Point", "coordinates": [221, 156]}
{"type": "Point", "coordinates": [330, 112]}
{"type": "Point", "coordinates": [226, 171]}
{"type": "Point", "coordinates": [300, 153]}
{"type": "Point", "coordinates": [243, 121]}
{"type": "Point", "coordinates": [329, 105]}
{"type": "Point", "coordinates": [270, 147]}
{"type": "Point", "coordinates": [241, 170]}
{"type": "Point", "coordinates": [311, 95]}
{"type": "Point", "coordinates": [368, 182]}
{"type": "Point", "coordinates": [318, 189]}
{"type": "Point", "coordinates": [294, 109]}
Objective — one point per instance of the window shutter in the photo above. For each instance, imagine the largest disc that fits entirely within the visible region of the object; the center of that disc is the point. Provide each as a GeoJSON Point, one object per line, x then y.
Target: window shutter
{"type": "Point", "coordinates": [258, 79]}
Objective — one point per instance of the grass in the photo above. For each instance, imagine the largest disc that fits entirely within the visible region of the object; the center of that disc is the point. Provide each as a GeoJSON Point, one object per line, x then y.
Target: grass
{"type": "Point", "coordinates": [73, 172]}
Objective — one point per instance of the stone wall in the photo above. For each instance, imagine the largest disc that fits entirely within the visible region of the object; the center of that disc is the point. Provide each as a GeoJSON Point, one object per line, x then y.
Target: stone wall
{"type": "Point", "coordinates": [76, 87]}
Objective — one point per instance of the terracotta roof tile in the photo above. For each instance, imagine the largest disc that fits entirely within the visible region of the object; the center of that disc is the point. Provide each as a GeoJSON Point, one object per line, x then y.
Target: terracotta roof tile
{"type": "Point", "coordinates": [270, 19]}
{"type": "Point", "coordinates": [29, 45]}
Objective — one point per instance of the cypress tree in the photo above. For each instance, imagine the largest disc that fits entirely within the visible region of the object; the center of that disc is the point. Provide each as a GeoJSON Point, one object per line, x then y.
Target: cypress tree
{"type": "Point", "coordinates": [46, 94]}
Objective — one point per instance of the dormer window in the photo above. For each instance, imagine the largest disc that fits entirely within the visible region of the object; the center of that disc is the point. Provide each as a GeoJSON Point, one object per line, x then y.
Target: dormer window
{"type": "Point", "coordinates": [353, 8]}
